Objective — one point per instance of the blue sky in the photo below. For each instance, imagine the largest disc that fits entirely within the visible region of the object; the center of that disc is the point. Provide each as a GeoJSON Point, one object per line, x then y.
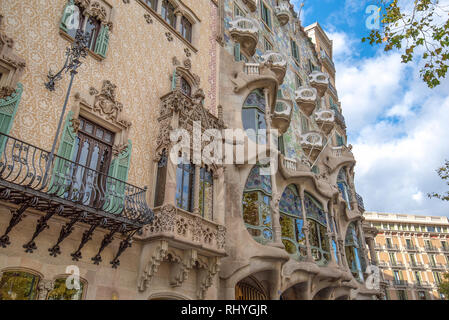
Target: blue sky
{"type": "Point", "coordinates": [398, 127]}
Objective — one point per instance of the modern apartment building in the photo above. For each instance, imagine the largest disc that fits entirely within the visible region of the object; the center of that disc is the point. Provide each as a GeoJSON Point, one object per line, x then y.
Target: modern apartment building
{"type": "Point", "coordinates": [108, 203]}
{"type": "Point", "coordinates": [412, 252]}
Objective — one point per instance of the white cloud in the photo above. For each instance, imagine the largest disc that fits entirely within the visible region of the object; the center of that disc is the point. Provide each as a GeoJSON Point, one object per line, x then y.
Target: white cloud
{"type": "Point", "coordinates": [398, 127]}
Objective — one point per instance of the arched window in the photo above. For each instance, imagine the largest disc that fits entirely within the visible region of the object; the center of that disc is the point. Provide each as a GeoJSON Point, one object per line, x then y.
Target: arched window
{"type": "Point", "coordinates": [61, 292]}
{"type": "Point", "coordinates": [292, 223]}
{"type": "Point", "coordinates": [353, 257]}
{"type": "Point", "coordinates": [206, 193]}
{"type": "Point", "coordinates": [18, 285]}
{"type": "Point", "coordinates": [253, 116]}
{"type": "Point", "coordinates": [186, 88]}
{"type": "Point", "coordinates": [256, 206]}
{"type": "Point", "coordinates": [185, 173]}
{"type": "Point", "coordinates": [316, 217]}
{"type": "Point", "coordinates": [342, 183]}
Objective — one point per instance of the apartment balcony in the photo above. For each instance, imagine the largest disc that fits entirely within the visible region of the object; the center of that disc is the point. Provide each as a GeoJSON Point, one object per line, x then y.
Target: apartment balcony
{"type": "Point", "coordinates": [431, 249]}
{"type": "Point", "coordinates": [392, 247]}
{"type": "Point", "coordinates": [246, 32]}
{"type": "Point", "coordinates": [423, 285]}
{"type": "Point", "coordinates": [444, 249]}
{"type": "Point", "coordinates": [325, 120]}
{"type": "Point", "coordinates": [31, 179]}
{"type": "Point", "coordinates": [416, 265]}
{"type": "Point", "coordinates": [339, 118]}
{"type": "Point", "coordinates": [379, 247]}
{"type": "Point", "coordinates": [282, 116]}
{"type": "Point", "coordinates": [325, 59]}
{"type": "Point", "coordinates": [283, 12]}
{"type": "Point", "coordinates": [411, 248]}
{"type": "Point", "coordinates": [320, 81]}
{"type": "Point", "coordinates": [277, 63]}
{"type": "Point", "coordinates": [397, 264]}
{"type": "Point", "coordinates": [438, 266]}
{"type": "Point", "coordinates": [312, 144]}
{"type": "Point", "coordinates": [383, 264]}
{"type": "Point", "coordinates": [360, 203]}
{"type": "Point", "coordinates": [400, 283]}
{"type": "Point", "coordinates": [251, 4]}
{"type": "Point", "coordinates": [306, 99]}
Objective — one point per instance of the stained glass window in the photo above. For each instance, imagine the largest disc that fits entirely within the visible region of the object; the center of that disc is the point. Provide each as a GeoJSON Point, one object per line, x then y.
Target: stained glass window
{"type": "Point", "coordinates": [292, 223]}
{"type": "Point", "coordinates": [18, 285]}
{"type": "Point", "coordinates": [256, 206]}
{"type": "Point", "coordinates": [352, 246]}
{"type": "Point", "coordinates": [61, 292]}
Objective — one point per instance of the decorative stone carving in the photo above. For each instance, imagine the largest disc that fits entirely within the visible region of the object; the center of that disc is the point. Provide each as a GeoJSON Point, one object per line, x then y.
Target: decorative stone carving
{"type": "Point", "coordinates": [205, 275]}
{"type": "Point", "coordinates": [188, 64]}
{"type": "Point", "coordinates": [148, 18]}
{"type": "Point", "coordinates": [187, 52]}
{"type": "Point", "coordinates": [44, 287]}
{"type": "Point", "coordinates": [169, 36]}
{"type": "Point", "coordinates": [306, 99]}
{"type": "Point", "coordinates": [175, 61]}
{"type": "Point", "coordinates": [153, 265]}
{"type": "Point", "coordinates": [181, 267]}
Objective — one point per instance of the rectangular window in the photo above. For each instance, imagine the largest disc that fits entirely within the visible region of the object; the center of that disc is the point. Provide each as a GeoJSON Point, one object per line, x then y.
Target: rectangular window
{"type": "Point", "coordinates": [295, 51]}
{"type": "Point", "coordinates": [186, 29]}
{"type": "Point", "coordinates": [168, 13]}
{"type": "Point", "coordinates": [437, 277]}
{"type": "Point", "coordinates": [238, 12]}
{"type": "Point", "coordinates": [392, 258]}
{"type": "Point", "coordinates": [184, 186]}
{"type": "Point", "coordinates": [298, 81]}
{"type": "Point", "coordinates": [267, 44]}
{"type": "Point", "coordinates": [340, 142]}
{"type": "Point", "coordinates": [152, 4]}
{"type": "Point", "coordinates": [266, 14]}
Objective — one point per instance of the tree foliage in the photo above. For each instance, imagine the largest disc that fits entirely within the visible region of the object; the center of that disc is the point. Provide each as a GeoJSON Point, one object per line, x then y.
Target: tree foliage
{"type": "Point", "coordinates": [443, 287]}
{"type": "Point", "coordinates": [419, 28]}
{"type": "Point", "coordinates": [443, 172]}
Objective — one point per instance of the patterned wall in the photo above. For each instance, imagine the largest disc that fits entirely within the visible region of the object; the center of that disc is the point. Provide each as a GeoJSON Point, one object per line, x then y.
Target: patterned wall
{"type": "Point", "coordinates": [139, 62]}
{"type": "Point", "coordinates": [279, 37]}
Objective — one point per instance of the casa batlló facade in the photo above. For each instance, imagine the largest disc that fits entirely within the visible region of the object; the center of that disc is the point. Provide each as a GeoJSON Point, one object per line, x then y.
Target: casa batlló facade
{"type": "Point", "coordinates": [110, 207]}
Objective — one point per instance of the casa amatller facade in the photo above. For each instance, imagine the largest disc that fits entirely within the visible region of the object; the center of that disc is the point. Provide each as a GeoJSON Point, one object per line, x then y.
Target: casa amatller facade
{"type": "Point", "coordinates": [110, 202]}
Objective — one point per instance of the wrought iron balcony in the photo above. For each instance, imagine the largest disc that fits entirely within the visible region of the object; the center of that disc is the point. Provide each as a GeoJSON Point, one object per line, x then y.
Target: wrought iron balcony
{"type": "Point", "coordinates": [312, 144]}
{"type": "Point", "coordinates": [306, 99]}
{"type": "Point", "coordinates": [437, 266]}
{"type": "Point", "coordinates": [392, 247]}
{"type": "Point", "coordinates": [59, 187]}
{"type": "Point", "coordinates": [277, 63]}
{"type": "Point", "coordinates": [339, 118]}
{"type": "Point", "coordinates": [246, 32]}
{"type": "Point", "coordinates": [397, 264]}
{"type": "Point", "coordinates": [327, 60]}
{"type": "Point", "coordinates": [423, 285]}
{"type": "Point", "coordinates": [378, 247]}
{"type": "Point", "coordinates": [445, 249]}
{"type": "Point", "coordinates": [325, 120]}
{"type": "Point", "coordinates": [416, 265]}
{"type": "Point", "coordinates": [383, 264]}
{"type": "Point", "coordinates": [431, 248]}
{"type": "Point", "coordinates": [283, 12]}
{"type": "Point", "coordinates": [360, 203]}
{"type": "Point", "coordinates": [411, 248]}
{"type": "Point", "coordinates": [400, 283]}
{"type": "Point", "coordinates": [320, 81]}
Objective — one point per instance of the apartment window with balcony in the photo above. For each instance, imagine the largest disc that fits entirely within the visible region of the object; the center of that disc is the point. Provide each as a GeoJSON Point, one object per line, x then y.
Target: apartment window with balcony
{"type": "Point", "coordinates": [430, 229]}
{"type": "Point", "coordinates": [418, 277]}
{"type": "Point", "coordinates": [185, 174]}
{"type": "Point", "coordinates": [342, 183]}
{"type": "Point", "coordinates": [389, 245]}
{"type": "Point", "coordinates": [168, 13]}
{"type": "Point", "coordinates": [408, 243]}
{"type": "Point", "coordinates": [412, 259]}
{"type": "Point", "coordinates": [186, 29]}
{"type": "Point", "coordinates": [295, 50]}
{"type": "Point", "coordinates": [392, 258]}
{"type": "Point", "coordinates": [74, 18]}
{"type": "Point", "coordinates": [152, 4]}
{"type": "Point", "coordinates": [432, 260]}
{"type": "Point", "coordinates": [265, 14]}
{"type": "Point", "coordinates": [437, 277]}
{"type": "Point", "coordinates": [339, 140]}
{"type": "Point", "coordinates": [444, 246]}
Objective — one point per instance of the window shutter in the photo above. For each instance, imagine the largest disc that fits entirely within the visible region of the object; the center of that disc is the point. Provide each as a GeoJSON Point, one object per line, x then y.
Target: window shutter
{"type": "Point", "coordinates": [65, 151]}
{"type": "Point", "coordinates": [101, 46]}
{"type": "Point", "coordinates": [65, 15]}
{"type": "Point", "coordinates": [120, 165]}
{"type": "Point", "coordinates": [237, 52]}
{"type": "Point", "coordinates": [8, 109]}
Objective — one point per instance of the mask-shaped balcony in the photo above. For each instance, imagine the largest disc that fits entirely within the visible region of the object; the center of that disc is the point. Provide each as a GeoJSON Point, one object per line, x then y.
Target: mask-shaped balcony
{"type": "Point", "coordinates": [277, 63]}
{"type": "Point", "coordinates": [325, 120]}
{"type": "Point", "coordinates": [251, 4]}
{"type": "Point", "coordinates": [57, 187]}
{"type": "Point", "coordinates": [245, 31]}
{"type": "Point", "coordinates": [283, 13]}
{"type": "Point", "coordinates": [306, 99]}
{"type": "Point", "coordinates": [335, 157]}
{"type": "Point", "coordinates": [320, 81]}
{"type": "Point", "coordinates": [312, 144]}
{"type": "Point", "coordinates": [282, 116]}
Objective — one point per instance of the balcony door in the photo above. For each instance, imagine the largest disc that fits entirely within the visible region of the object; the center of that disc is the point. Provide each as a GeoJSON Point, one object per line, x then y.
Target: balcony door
{"type": "Point", "coordinates": [92, 154]}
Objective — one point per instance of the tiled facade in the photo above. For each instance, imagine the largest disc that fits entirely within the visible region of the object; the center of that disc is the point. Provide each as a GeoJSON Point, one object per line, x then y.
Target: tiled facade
{"type": "Point", "coordinates": [413, 254]}
{"type": "Point", "coordinates": [112, 203]}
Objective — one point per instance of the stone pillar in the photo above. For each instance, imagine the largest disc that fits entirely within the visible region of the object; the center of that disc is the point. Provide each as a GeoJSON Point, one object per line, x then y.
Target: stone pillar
{"type": "Point", "coordinates": [306, 225]}
{"type": "Point", "coordinates": [196, 190]}
{"type": "Point", "coordinates": [170, 181]}
{"type": "Point", "coordinates": [372, 251]}
{"type": "Point", "coordinates": [330, 235]}
{"type": "Point", "coordinates": [362, 240]}
{"type": "Point", "coordinates": [178, 15]}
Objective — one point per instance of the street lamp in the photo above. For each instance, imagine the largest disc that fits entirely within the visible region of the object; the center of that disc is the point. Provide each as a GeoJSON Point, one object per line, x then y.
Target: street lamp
{"type": "Point", "coordinates": [74, 53]}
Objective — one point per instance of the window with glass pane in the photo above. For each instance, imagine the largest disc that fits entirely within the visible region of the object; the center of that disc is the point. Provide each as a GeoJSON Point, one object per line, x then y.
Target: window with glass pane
{"type": "Point", "coordinates": [168, 13]}
{"type": "Point", "coordinates": [353, 253]}
{"type": "Point", "coordinates": [295, 51]}
{"type": "Point", "coordinates": [92, 28]}
{"type": "Point", "coordinates": [152, 4]}
{"type": "Point", "coordinates": [402, 295]}
{"type": "Point", "coordinates": [185, 87]}
{"type": "Point", "coordinates": [342, 183]}
{"type": "Point", "coordinates": [298, 81]}
{"type": "Point", "coordinates": [89, 25]}
{"type": "Point", "coordinates": [18, 285]}
{"type": "Point", "coordinates": [292, 223]}
{"type": "Point", "coordinates": [317, 221]}
{"type": "Point", "coordinates": [253, 117]}
{"type": "Point", "coordinates": [266, 14]}
{"type": "Point", "coordinates": [186, 29]}
{"type": "Point", "coordinates": [185, 173]}
{"type": "Point", "coordinates": [304, 124]}
{"type": "Point", "coordinates": [256, 206]}
{"type": "Point", "coordinates": [61, 292]}
{"type": "Point", "coordinates": [93, 153]}
{"type": "Point", "coordinates": [238, 12]}
{"type": "Point", "coordinates": [268, 46]}
{"type": "Point", "coordinates": [206, 193]}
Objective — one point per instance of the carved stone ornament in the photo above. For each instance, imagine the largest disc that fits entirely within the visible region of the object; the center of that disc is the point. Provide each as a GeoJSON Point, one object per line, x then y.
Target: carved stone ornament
{"type": "Point", "coordinates": [152, 266]}
{"type": "Point", "coordinates": [187, 52]}
{"type": "Point", "coordinates": [206, 274]}
{"type": "Point", "coordinates": [107, 105]}
{"type": "Point", "coordinates": [169, 36]}
{"type": "Point", "coordinates": [175, 61]}
{"type": "Point", "coordinates": [188, 64]}
{"type": "Point", "coordinates": [13, 66]}
{"type": "Point", "coordinates": [148, 18]}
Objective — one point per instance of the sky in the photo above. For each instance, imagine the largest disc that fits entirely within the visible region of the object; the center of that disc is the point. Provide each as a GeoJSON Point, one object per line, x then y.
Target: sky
{"type": "Point", "coordinates": [399, 128]}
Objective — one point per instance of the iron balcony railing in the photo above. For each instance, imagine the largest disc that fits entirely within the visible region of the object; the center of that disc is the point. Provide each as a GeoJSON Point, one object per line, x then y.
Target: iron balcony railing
{"type": "Point", "coordinates": [25, 172]}
{"type": "Point", "coordinates": [411, 247]}
{"type": "Point", "coordinates": [416, 265]}
{"type": "Point", "coordinates": [445, 249]}
{"type": "Point", "coordinates": [360, 203]}
{"type": "Point", "coordinates": [437, 266]}
{"type": "Point", "coordinates": [339, 118]}
{"type": "Point", "coordinates": [400, 283]}
{"type": "Point", "coordinates": [326, 57]}
{"type": "Point", "coordinates": [422, 284]}
{"type": "Point", "coordinates": [431, 248]}
{"type": "Point", "coordinates": [397, 264]}
{"type": "Point", "coordinates": [393, 247]}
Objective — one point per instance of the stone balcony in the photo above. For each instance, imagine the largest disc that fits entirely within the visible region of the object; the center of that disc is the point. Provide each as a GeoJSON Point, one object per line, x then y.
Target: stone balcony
{"type": "Point", "coordinates": [312, 144]}
{"type": "Point", "coordinates": [306, 99]}
{"type": "Point", "coordinates": [325, 120]}
{"type": "Point", "coordinates": [277, 63]}
{"type": "Point", "coordinates": [320, 81]}
{"type": "Point", "coordinates": [282, 116]}
{"type": "Point", "coordinates": [283, 12]}
{"type": "Point", "coordinates": [251, 4]}
{"type": "Point", "coordinates": [245, 31]}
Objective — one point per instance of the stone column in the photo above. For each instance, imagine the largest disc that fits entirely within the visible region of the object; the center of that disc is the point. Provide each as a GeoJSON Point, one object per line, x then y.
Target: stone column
{"type": "Point", "coordinates": [170, 181]}
{"type": "Point", "coordinates": [178, 15]}
{"type": "Point", "coordinates": [306, 225]}
{"type": "Point", "coordinates": [330, 235]}
{"type": "Point", "coordinates": [196, 190]}
{"type": "Point", "coordinates": [372, 251]}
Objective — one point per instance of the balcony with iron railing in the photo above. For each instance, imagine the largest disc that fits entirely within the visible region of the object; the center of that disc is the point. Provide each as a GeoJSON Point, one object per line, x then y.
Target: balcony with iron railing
{"type": "Point", "coordinates": [445, 249]}
{"type": "Point", "coordinates": [31, 178]}
{"type": "Point", "coordinates": [411, 248]}
{"type": "Point", "coordinates": [400, 283]}
{"type": "Point", "coordinates": [422, 285]}
{"type": "Point", "coordinates": [438, 266]}
{"type": "Point", "coordinates": [416, 265]}
{"type": "Point", "coordinates": [430, 248]}
{"type": "Point", "coordinates": [392, 247]}
{"type": "Point", "coordinates": [397, 264]}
